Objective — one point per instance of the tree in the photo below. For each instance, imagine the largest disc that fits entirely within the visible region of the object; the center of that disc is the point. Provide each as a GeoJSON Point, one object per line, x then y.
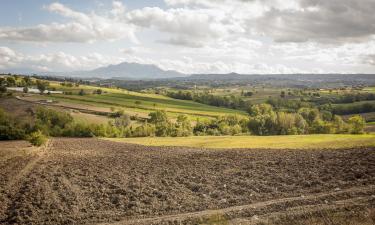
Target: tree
{"type": "Point", "coordinates": [263, 120]}
{"type": "Point", "coordinates": [357, 124]}
{"type": "Point", "coordinates": [319, 126]}
{"type": "Point", "coordinates": [11, 81]}
{"type": "Point", "coordinates": [309, 114]}
{"type": "Point", "coordinates": [301, 124]}
{"type": "Point", "coordinates": [282, 94]}
{"type": "Point", "coordinates": [183, 126]}
{"type": "Point", "coordinates": [25, 90]}
{"type": "Point", "coordinates": [123, 121]}
{"type": "Point", "coordinates": [27, 80]}
{"type": "Point", "coordinates": [286, 123]}
{"type": "Point", "coordinates": [159, 116]}
{"type": "Point", "coordinates": [144, 130]}
{"type": "Point", "coordinates": [41, 85]}
{"type": "Point", "coordinates": [260, 109]}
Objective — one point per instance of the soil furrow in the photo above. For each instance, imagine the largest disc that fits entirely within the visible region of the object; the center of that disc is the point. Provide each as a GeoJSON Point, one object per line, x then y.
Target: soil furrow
{"type": "Point", "coordinates": [232, 210]}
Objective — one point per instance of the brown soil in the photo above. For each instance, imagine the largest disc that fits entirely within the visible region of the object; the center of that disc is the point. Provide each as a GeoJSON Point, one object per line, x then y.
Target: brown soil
{"type": "Point", "coordinates": [90, 181]}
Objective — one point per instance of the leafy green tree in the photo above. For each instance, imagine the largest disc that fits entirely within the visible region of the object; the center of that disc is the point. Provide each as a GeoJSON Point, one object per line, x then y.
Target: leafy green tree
{"type": "Point", "coordinates": [301, 124]}
{"type": "Point", "coordinates": [11, 81]}
{"type": "Point", "coordinates": [183, 126]}
{"type": "Point", "coordinates": [201, 127]}
{"type": "Point", "coordinates": [123, 121]}
{"type": "Point", "coordinates": [159, 116]}
{"type": "Point", "coordinates": [339, 125]}
{"type": "Point", "coordinates": [263, 120]}
{"type": "Point", "coordinates": [286, 123]}
{"type": "Point", "coordinates": [309, 114]}
{"type": "Point", "coordinates": [145, 130]}
{"type": "Point", "coordinates": [319, 126]}
{"type": "Point", "coordinates": [41, 85]}
{"type": "Point", "coordinates": [357, 124]}
{"type": "Point", "coordinates": [236, 129]}
{"type": "Point", "coordinates": [27, 80]}
{"type": "Point", "coordinates": [260, 109]}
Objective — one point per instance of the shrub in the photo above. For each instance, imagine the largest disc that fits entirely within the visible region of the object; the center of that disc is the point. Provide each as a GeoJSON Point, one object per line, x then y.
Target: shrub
{"type": "Point", "coordinates": [145, 130]}
{"type": "Point", "coordinates": [9, 128]}
{"type": "Point", "coordinates": [37, 138]}
{"type": "Point", "coordinates": [52, 122]}
{"type": "Point", "coordinates": [77, 130]}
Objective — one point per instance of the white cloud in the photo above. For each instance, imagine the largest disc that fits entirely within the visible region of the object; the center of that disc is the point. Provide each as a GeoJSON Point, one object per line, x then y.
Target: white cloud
{"type": "Point", "coordinates": [81, 27]}
{"type": "Point", "coordinates": [349, 54]}
{"type": "Point", "coordinates": [208, 36]}
{"type": "Point", "coordinates": [8, 57]}
{"type": "Point", "coordinates": [189, 27]}
{"type": "Point", "coordinates": [58, 61]}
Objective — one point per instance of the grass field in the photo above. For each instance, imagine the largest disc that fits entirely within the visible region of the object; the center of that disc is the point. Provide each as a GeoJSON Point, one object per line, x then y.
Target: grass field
{"type": "Point", "coordinates": [261, 142]}
{"type": "Point", "coordinates": [136, 102]}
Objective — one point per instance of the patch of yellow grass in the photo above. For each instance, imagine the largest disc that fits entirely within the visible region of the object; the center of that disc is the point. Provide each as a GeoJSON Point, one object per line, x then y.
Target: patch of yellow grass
{"type": "Point", "coordinates": [259, 142]}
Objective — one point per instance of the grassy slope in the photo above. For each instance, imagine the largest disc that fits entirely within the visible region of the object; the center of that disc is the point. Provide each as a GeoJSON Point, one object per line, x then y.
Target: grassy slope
{"type": "Point", "coordinates": [276, 142]}
{"type": "Point", "coordinates": [148, 102]}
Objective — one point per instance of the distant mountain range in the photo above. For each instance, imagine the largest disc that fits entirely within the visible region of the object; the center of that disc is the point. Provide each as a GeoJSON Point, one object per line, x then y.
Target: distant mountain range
{"type": "Point", "coordinates": [136, 71]}
{"type": "Point", "coordinates": [125, 70]}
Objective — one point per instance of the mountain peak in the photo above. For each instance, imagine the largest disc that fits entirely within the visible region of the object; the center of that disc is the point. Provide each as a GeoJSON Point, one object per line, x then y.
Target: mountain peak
{"type": "Point", "coordinates": [133, 70]}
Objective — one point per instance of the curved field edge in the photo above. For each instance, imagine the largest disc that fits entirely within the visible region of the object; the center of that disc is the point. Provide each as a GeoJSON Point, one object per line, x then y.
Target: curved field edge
{"type": "Point", "coordinates": [333, 141]}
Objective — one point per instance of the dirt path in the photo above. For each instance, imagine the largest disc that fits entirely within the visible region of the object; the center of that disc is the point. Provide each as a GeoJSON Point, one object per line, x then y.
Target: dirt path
{"type": "Point", "coordinates": [29, 166]}
{"type": "Point", "coordinates": [320, 197]}
{"type": "Point", "coordinates": [13, 186]}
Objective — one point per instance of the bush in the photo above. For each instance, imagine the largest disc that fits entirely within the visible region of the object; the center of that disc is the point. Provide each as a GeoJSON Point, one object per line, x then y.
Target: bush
{"type": "Point", "coordinates": [145, 130]}
{"type": "Point", "coordinates": [37, 138]}
{"type": "Point", "coordinates": [9, 128]}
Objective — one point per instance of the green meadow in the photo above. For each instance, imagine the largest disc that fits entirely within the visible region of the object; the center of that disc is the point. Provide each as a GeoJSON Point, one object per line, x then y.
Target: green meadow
{"type": "Point", "coordinates": [318, 141]}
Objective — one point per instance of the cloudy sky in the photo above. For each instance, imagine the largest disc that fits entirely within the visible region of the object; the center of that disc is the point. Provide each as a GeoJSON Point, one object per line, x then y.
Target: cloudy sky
{"type": "Point", "coordinates": [190, 36]}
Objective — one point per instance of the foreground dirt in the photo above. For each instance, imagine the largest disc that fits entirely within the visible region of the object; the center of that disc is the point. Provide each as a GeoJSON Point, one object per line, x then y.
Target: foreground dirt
{"type": "Point", "coordinates": [89, 181]}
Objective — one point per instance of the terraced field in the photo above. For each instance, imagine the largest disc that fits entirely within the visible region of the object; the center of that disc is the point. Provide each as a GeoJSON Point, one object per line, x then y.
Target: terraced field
{"type": "Point", "coordinates": [91, 181]}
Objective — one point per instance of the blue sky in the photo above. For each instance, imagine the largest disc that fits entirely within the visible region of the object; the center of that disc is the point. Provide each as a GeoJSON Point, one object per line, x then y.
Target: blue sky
{"type": "Point", "coordinates": [190, 36]}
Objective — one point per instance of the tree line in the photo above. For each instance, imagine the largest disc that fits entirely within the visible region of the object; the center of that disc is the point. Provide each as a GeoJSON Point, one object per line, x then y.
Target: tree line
{"type": "Point", "coordinates": [262, 120]}
{"type": "Point", "coordinates": [232, 101]}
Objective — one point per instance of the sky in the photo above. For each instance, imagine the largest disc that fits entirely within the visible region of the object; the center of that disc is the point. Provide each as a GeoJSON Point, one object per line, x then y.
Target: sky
{"type": "Point", "coordinates": [189, 36]}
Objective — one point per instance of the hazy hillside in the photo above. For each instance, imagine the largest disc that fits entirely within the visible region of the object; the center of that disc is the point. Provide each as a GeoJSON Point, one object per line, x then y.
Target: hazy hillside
{"type": "Point", "coordinates": [127, 70]}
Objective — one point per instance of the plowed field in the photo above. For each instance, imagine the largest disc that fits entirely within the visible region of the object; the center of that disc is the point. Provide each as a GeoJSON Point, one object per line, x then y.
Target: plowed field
{"type": "Point", "coordinates": [90, 181]}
